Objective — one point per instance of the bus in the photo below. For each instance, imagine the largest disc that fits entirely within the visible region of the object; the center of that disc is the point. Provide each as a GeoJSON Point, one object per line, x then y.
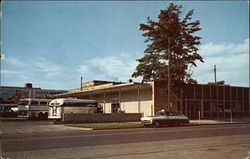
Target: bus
{"type": "Point", "coordinates": [60, 106]}
{"type": "Point", "coordinates": [32, 108]}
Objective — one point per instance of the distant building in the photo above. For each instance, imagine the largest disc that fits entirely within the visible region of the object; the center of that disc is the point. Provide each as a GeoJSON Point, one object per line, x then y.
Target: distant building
{"type": "Point", "coordinates": [201, 100]}
{"type": "Point", "coordinates": [9, 96]}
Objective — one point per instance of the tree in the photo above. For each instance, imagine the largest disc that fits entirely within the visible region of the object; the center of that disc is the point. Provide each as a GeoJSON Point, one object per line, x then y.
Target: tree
{"type": "Point", "coordinates": [172, 45]}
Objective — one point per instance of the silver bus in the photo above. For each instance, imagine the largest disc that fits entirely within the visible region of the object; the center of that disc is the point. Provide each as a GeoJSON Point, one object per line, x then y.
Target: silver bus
{"type": "Point", "coordinates": [32, 108]}
{"type": "Point", "coordinates": [57, 107]}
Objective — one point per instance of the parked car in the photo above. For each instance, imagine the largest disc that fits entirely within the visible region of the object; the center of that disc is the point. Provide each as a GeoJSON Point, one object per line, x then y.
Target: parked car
{"type": "Point", "coordinates": [8, 113]}
{"type": "Point", "coordinates": [164, 119]}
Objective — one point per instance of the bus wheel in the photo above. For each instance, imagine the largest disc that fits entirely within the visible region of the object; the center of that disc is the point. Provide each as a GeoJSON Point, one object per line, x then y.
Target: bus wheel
{"type": "Point", "coordinates": [40, 116]}
{"type": "Point", "coordinates": [146, 126]}
{"type": "Point", "coordinates": [45, 116]}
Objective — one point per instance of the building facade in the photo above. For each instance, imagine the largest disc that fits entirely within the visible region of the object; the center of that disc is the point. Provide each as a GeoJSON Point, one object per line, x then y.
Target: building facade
{"type": "Point", "coordinates": [199, 101]}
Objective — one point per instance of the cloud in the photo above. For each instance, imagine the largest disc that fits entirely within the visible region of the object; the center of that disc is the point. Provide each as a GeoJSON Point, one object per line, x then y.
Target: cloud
{"type": "Point", "coordinates": [16, 62]}
{"type": "Point", "coordinates": [40, 65]}
{"type": "Point", "coordinates": [51, 70]}
{"type": "Point", "coordinates": [231, 60]}
{"type": "Point", "coordinates": [38, 70]}
{"type": "Point", "coordinates": [10, 72]}
{"type": "Point", "coordinates": [224, 49]}
{"type": "Point", "coordinates": [115, 68]}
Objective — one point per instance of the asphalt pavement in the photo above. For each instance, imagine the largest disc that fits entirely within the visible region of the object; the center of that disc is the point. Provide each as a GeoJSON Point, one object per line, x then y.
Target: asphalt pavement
{"type": "Point", "coordinates": [203, 141]}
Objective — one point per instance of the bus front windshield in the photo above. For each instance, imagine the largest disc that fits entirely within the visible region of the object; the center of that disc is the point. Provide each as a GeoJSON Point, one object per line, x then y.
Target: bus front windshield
{"type": "Point", "coordinates": [23, 103]}
{"type": "Point", "coordinates": [55, 104]}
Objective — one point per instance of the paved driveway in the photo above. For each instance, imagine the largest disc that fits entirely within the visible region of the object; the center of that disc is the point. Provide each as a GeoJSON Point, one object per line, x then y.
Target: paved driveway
{"type": "Point", "coordinates": [26, 126]}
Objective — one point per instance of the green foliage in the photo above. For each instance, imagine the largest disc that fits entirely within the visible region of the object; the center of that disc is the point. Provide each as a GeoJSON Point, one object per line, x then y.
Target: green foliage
{"type": "Point", "coordinates": [103, 126]}
{"type": "Point", "coordinates": [172, 43]}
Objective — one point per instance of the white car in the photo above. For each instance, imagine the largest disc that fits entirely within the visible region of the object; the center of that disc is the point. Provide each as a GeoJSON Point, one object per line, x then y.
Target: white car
{"type": "Point", "coordinates": [164, 119]}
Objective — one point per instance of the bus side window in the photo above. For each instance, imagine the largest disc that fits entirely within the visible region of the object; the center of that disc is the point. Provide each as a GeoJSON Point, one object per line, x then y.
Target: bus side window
{"type": "Point", "coordinates": [43, 103]}
{"type": "Point", "coordinates": [34, 103]}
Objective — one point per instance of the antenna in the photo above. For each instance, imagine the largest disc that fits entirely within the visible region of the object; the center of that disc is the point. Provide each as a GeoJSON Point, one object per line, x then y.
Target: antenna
{"type": "Point", "coordinates": [215, 74]}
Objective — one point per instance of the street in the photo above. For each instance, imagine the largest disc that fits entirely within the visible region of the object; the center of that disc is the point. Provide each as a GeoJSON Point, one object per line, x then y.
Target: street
{"type": "Point", "coordinates": [204, 141]}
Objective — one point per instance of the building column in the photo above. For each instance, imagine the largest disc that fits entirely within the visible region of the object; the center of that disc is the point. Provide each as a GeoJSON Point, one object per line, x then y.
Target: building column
{"type": "Point", "coordinates": [104, 101]}
{"type": "Point", "coordinates": [224, 102]}
{"type": "Point", "coordinates": [237, 103]}
{"type": "Point", "coordinates": [243, 104]}
{"type": "Point", "coordinates": [138, 99]}
{"type": "Point", "coordinates": [30, 93]}
{"type": "Point", "coordinates": [217, 98]}
{"type": "Point", "coordinates": [231, 100]}
{"type": "Point", "coordinates": [119, 97]}
{"type": "Point", "coordinates": [202, 107]}
{"type": "Point", "coordinates": [194, 106]}
{"type": "Point", "coordinates": [210, 94]}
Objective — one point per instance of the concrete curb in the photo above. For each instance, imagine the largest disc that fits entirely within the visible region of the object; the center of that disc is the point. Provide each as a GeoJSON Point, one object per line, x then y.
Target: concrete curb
{"type": "Point", "coordinates": [88, 129]}
{"type": "Point", "coordinates": [222, 123]}
{"type": "Point", "coordinates": [190, 124]}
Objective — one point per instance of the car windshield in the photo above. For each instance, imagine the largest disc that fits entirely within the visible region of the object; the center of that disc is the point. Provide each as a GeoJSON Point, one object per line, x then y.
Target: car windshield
{"type": "Point", "coordinates": [160, 113]}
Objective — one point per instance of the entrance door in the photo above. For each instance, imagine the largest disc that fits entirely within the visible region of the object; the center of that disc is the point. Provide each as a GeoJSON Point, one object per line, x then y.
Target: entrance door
{"type": "Point", "coordinates": [194, 109]}
{"type": "Point", "coordinates": [115, 107]}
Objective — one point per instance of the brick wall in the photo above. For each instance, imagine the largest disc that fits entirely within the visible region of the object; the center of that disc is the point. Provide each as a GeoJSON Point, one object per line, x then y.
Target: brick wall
{"type": "Point", "coordinates": [101, 118]}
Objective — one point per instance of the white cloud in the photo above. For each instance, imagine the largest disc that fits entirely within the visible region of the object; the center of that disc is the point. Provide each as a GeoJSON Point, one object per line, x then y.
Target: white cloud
{"type": "Point", "coordinates": [224, 49]}
{"type": "Point", "coordinates": [39, 71]}
{"type": "Point", "coordinates": [10, 72]}
{"type": "Point", "coordinates": [231, 60]}
{"type": "Point", "coordinates": [39, 65]}
{"type": "Point", "coordinates": [51, 70]}
{"type": "Point", "coordinates": [115, 68]}
{"type": "Point", "coordinates": [15, 62]}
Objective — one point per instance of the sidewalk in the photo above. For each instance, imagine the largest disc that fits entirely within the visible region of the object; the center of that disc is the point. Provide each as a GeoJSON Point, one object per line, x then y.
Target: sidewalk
{"type": "Point", "coordinates": [220, 121]}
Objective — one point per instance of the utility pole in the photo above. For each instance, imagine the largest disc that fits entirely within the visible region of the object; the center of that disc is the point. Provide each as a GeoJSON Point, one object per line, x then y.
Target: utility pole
{"type": "Point", "coordinates": [1, 58]}
{"type": "Point", "coordinates": [81, 83]}
{"type": "Point", "coordinates": [169, 75]}
{"type": "Point", "coordinates": [1, 55]}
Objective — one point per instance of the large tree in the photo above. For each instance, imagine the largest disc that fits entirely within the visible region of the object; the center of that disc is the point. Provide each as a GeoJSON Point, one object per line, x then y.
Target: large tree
{"type": "Point", "coordinates": [172, 48]}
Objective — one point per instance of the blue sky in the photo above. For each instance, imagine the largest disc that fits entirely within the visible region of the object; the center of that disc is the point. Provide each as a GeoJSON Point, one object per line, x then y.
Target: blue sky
{"type": "Point", "coordinates": [53, 44]}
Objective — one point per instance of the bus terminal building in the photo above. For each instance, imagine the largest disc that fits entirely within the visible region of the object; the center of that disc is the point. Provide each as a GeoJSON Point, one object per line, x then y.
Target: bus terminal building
{"type": "Point", "coordinates": [199, 100]}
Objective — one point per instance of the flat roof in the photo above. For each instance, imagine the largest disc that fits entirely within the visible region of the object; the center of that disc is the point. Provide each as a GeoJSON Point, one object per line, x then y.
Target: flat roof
{"type": "Point", "coordinates": [33, 88]}
{"type": "Point", "coordinates": [131, 85]}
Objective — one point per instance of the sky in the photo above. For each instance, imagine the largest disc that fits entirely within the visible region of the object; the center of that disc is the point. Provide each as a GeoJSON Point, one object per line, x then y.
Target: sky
{"type": "Point", "coordinates": [51, 44]}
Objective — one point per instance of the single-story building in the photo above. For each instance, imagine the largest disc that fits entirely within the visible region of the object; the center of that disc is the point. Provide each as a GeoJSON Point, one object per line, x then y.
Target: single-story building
{"type": "Point", "coordinates": [200, 100]}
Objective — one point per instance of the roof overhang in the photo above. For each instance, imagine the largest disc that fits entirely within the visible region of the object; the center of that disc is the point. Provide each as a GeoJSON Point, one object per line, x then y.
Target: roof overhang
{"type": "Point", "coordinates": [113, 88]}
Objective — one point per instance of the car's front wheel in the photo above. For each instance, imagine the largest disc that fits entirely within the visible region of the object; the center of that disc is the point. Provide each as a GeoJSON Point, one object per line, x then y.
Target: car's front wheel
{"type": "Point", "coordinates": [157, 124]}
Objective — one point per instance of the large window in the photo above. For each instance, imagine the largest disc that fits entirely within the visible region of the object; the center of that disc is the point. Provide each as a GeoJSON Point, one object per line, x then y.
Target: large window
{"type": "Point", "coordinates": [43, 103]}
{"type": "Point", "coordinates": [77, 104]}
{"type": "Point", "coordinates": [234, 93]}
{"type": "Point", "coordinates": [206, 92]}
{"type": "Point", "coordinates": [220, 93]}
{"type": "Point", "coordinates": [198, 92]}
{"type": "Point", "coordinates": [221, 109]}
{"type": "Point", "coordinates": [23, 103]}
{"type": "Point", "coordinates": [214, 92]}
{"type": "Point", "coordinates": [227, 92]}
